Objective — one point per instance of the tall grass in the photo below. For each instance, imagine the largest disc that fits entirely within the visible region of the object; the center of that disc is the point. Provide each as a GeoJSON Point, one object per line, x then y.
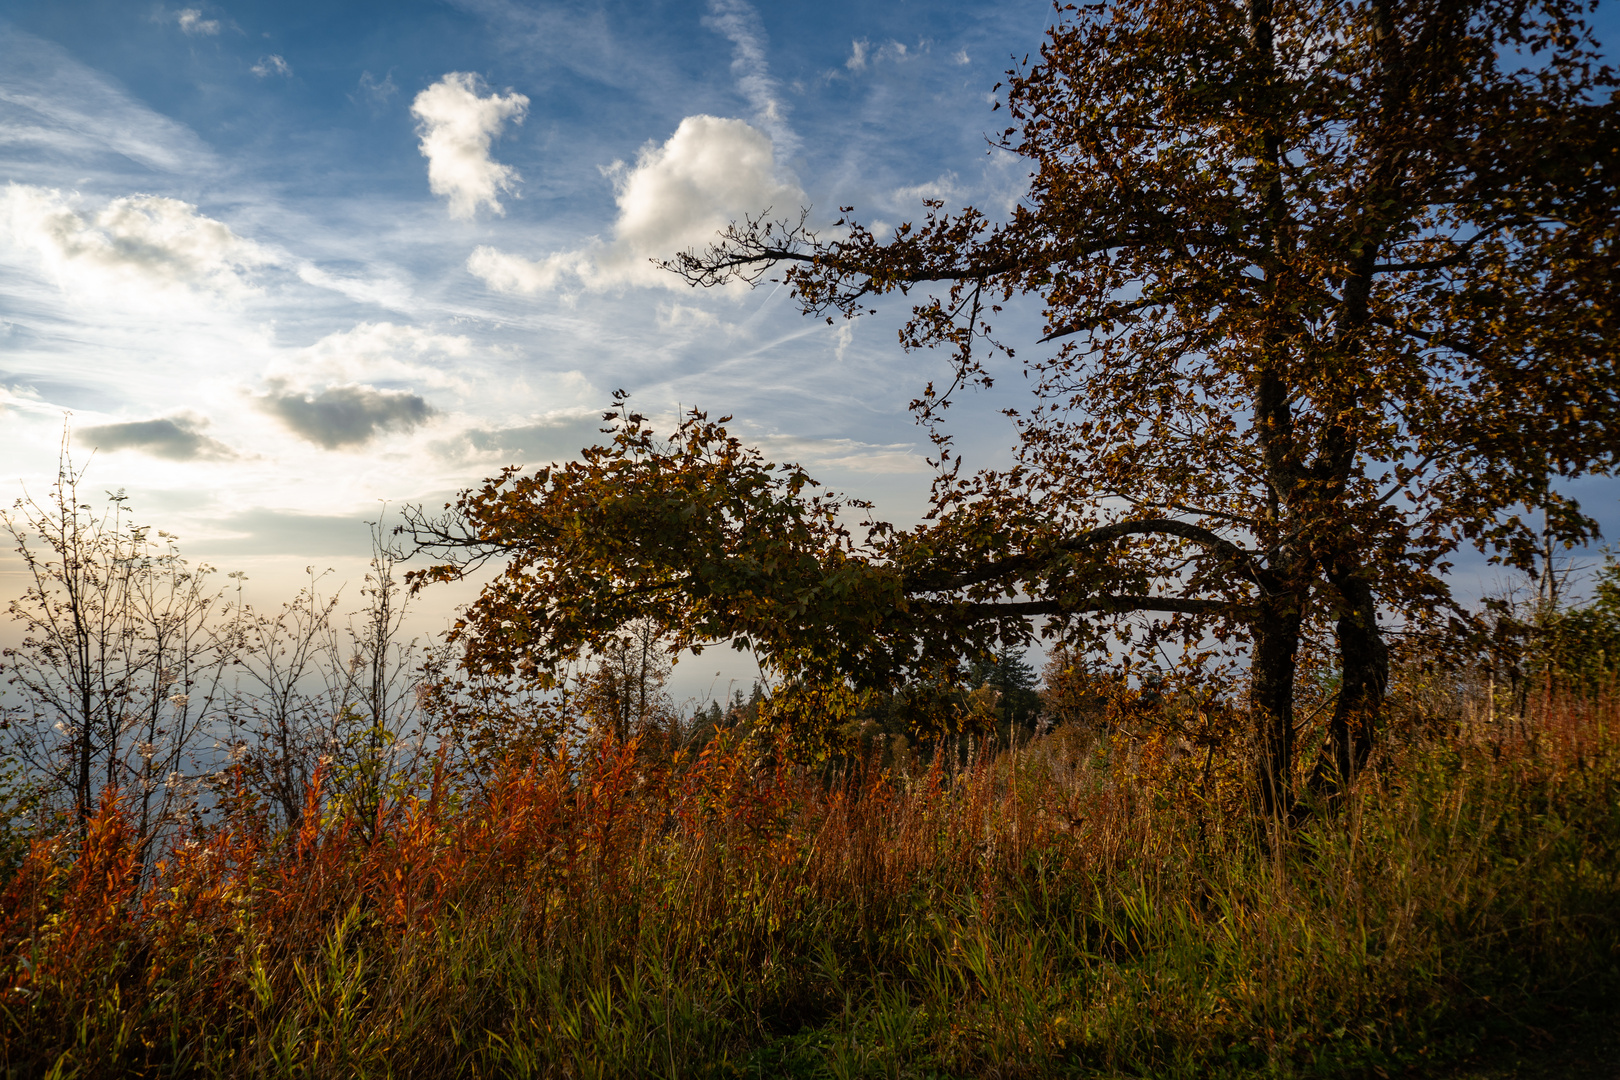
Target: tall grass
{"type": "Point", "coordinates": [1072, 907]}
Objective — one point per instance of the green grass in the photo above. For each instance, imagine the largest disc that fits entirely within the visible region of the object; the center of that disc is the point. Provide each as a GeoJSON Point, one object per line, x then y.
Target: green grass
{"type": "Point", "coordinates": [1076, 910]}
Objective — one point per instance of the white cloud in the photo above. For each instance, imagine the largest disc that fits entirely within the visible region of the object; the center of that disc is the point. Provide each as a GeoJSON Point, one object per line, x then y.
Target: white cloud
{"type": "Point", "coordinates": [25, 399]}
{"type": "Point", "coordinates": [942, 187]}
{"type": "Point", "coordinates": [457, 127]}
{"type": "Point", "coordinates": [682, 316]}
{"type": "Point", "coordinates": [711, 172]}
{"type": "Point", "coordinates": [843, 338]}
{"type": "Point", "coordinates": [148, 243]}
{"type": "Point", "coordinates": [192, 22]}
{"type": "Point", "coordinates": [863, 55]}
{"type": "Point", "coordinates": [376, 353]}
{"type": "Point", "coordinates": [271, 65]}
{"type": "Point", "coordinates": [515, 274]}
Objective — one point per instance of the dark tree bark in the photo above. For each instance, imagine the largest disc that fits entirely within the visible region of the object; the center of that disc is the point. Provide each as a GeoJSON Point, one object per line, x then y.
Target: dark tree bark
{"type": "Point", "coordinates": [1271, 704]}
{"type": "Point", "coordinates": [1364, 681]}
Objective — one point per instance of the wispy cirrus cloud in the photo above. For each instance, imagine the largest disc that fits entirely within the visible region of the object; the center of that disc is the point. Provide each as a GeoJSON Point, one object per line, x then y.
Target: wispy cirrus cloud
{"type": "Point", "coordinates": [741, 25]}
{"type": "Point", "coordinates": [373, 90]}
{"type": "Point", "coordinates": [457, 124]}
{"type": "Point", "coordinates": [850, 455]}
{"type": "Point", "coordinates": [945, 187]}
{"type": "Point", "coordinates": [54, 108]}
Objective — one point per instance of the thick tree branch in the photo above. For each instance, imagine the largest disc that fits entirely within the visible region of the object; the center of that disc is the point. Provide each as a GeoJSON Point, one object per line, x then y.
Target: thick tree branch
{"type": "Point", "coordinates": [1108, 605]}
{"type": "Point", "coordinates": [1093, 539]}
{"type": "Point", "coordinates": [1436, 340]}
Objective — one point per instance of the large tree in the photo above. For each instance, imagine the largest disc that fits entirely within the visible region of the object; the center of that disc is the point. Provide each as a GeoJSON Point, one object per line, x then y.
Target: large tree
{"type": "Point", "coordinates": [1330, 292]}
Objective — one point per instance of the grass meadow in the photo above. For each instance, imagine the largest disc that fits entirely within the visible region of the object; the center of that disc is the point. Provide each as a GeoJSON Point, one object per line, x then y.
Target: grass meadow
{"type": "Point", "coordinates": [1084, 904]}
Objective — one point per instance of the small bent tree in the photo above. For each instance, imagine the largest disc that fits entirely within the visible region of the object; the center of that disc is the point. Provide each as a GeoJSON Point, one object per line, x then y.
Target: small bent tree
{"type": "Point", "coordinates": [1331, 291]}
{"type": "Point", "coordinates": [696, 540]}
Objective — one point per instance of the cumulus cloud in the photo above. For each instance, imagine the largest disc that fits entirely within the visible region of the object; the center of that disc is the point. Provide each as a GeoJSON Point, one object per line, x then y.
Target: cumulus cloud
{"type": "Point", "coordinates": [377, 352]}
{"type": "Point", "coordinates": [177, 438]}
{"type": "Point", "coordinates": [271, 65]}
{"type": "Point", "coordinates": [148, 242]}
{"type": "Point", "coordinates": [340, 416]}
{"type": "Point", "coordinates": [711, 172]}
{"type": "Point", "coordinates": [456, 126]}
{"type": "Point", "coordinates": [192, 22]}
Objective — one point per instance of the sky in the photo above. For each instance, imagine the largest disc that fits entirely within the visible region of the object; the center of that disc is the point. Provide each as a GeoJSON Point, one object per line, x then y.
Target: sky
{"type": "Point", "coordinates": [283, 266]}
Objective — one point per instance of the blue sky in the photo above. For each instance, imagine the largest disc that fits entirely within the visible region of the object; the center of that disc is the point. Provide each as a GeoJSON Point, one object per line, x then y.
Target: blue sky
{"type": "Point", "coordinates": [285, 262]}
{"type": "Point", "coordinates": [224, 254]}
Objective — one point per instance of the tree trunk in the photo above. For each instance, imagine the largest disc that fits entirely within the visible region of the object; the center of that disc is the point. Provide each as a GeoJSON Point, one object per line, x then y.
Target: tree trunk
{"type": "Point", "coordinates": [1271, 706]}
{"type": "Point", "coordinates": [1364, 680]}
